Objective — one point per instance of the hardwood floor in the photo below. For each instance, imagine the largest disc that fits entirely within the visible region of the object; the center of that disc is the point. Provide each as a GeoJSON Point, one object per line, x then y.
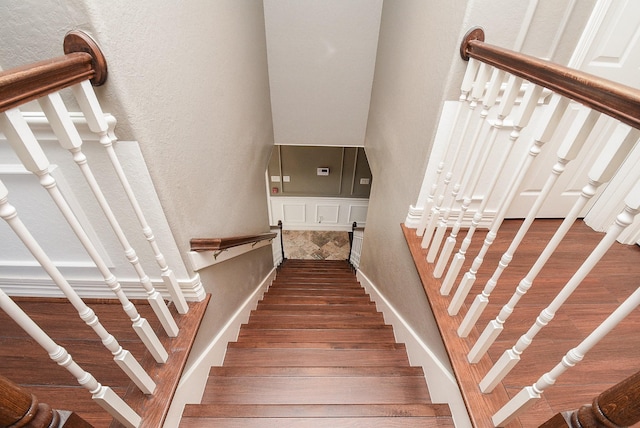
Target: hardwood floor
{"type": "Point", "coordinates": [316, 353]}
{"type": "Point", "coordinates": [614, 278]}
{"type": "Point", "coordinates": [24, 362]}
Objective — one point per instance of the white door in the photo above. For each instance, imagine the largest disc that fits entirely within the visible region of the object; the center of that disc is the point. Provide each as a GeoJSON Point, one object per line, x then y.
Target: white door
{"type": "Point", "coordinates": [609, 47]}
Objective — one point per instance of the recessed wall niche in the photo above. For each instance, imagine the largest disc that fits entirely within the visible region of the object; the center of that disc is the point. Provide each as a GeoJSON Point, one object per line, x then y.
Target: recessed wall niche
{"type": "Point", "coordinates": [293, 171]}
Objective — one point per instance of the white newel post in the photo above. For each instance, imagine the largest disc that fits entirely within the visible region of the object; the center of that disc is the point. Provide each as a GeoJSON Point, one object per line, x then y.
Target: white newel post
{"type": "Point", "coordinates": [511, 357]}
{"type": "Point", "coordinates": [121, 356]}
{"type": "Point", "coordinates": [67, 133]}
{"type": "Point", "coordinates": [90, 106]}
{"type": "Point", "coordinates": [614, 153]}
{"type": "Point", "coordinates": [419, 214]}
{"type": "Point", "coordinates": [102, 395]}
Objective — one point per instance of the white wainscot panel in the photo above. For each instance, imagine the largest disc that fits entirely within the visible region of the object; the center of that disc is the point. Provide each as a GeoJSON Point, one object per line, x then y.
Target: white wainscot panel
{"type": "Point", "coordinates": [327, 213]}
{"type": "Point", "coordinates": [358, 213]}
{"type": "Point", "coordinates": [330, 213]}
{"type": "Point", "coordinates": [293, 213]}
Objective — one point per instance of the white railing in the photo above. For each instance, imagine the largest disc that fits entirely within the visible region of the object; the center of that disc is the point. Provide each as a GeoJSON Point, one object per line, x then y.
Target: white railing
{"type": "Point", "coordinates": [357, 236]}
{"type": "Point", "coordinates": [513, 74]}
{"type": "Point", "coordinates": [83, 62]}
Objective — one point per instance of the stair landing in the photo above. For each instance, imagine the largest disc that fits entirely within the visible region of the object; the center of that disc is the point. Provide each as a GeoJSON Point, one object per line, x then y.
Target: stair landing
{"type": "Point", "coordinates": [316, 353]}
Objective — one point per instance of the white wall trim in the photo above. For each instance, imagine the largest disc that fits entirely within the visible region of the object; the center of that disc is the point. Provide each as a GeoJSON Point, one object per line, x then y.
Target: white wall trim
{"type": "Point", "coordinates": [193, 380]}
{"type": "Point", "coordinates": [96, 288]}
{"type": "Point", "coordinates": [442, 384]}
{"type": "Point", "coordinates": [202, 259]}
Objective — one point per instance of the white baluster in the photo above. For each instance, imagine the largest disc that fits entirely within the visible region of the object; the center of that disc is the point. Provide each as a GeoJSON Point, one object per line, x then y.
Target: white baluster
{"type": "Point", "coordinates": [102, 395]}
{"type": "Point", "coordinates": [603, 169]}
{"type": "Point", "coordinates": [31, 155]}
{"type": "Point", "coordinates": [528, 396]}
{"type": "Point", "coordinates": [465, 89]}
{"type": "Point", "coordinates": [569, 149]}
{"type": "Point", "coordinates": [472, 146]}
{"type": "Point", "coordinates": [95, 118]}
{"type": "Point", "coordinates": [476, 94]}
{"type": "Point", "coordinates": [472, 180]}
{"type": "Point", "coordinates": [511, 357]}
{"type": "Point", "coordinates": [513, 87]}
{"type": "Point", "coordinates": [121, 356]}
{"type": "Point", "coordinates": [526, 111]}
{"type": "Point", "coordinates": [67, 133]}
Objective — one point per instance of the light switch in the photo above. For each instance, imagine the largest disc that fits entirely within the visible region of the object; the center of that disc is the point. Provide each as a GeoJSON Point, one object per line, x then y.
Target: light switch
{"type": "Point", "coordinates": [364, 181]}
{"type": "Point", "coordinates": [286, 178]}
{"type": "Point", "coordinates": [275, 179]}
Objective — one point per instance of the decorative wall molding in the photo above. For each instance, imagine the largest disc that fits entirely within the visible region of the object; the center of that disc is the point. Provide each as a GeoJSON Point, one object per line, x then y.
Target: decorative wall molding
{"type": "Point", "coordinates": [315, 213]}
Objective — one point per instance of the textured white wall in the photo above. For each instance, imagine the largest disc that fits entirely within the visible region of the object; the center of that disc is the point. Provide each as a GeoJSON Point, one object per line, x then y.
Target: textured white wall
{"type": "Point", "coordinates": [321, 63]}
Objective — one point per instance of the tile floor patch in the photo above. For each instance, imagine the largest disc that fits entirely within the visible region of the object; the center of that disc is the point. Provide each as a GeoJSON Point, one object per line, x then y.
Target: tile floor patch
{"type": "Point", "coordinates": [316, 245]}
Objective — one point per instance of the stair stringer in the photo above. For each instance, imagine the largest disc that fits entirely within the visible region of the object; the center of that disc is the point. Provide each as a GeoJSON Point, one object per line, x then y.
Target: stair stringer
{"type": "Point", "coordinates": [441, 382]}
{"type": "Point", "coordinates": [194, 378]}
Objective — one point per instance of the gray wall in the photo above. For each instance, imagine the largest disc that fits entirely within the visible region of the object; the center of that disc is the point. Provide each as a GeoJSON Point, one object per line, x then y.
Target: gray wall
{"type": "Point", "coordinates": [347, 166]}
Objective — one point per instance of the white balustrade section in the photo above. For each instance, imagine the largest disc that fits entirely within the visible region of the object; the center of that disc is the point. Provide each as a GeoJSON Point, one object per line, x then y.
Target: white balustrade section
{"type": "Point", "coordinates": [529, 395]}
{"type": "Point", "coordinates": [506, 105]}
{"type": "Point", "coordinates": [614, 153]}
{"type": "Point", "coordinates": [569, 149]}
{"type": "Point", "coordinates": [122, 357]}
{"type": "Point", "coordinates": [476, 94]}
{"type": "Point", "coordinates": [90, 106]}
{"type": "Point", "coordinates": [356, 248]}
{"type": "Point", "coordinates": [102, 395]}
{"type": "Point", "coordinates": [69, 138]}
{"type": "Point", "coordinates": [524, 116]}
{"type": "Point", "coordinates": [475, 171]}
{"type": "Point", "coordinates": [511, 357]}
{"type": "Point", "coordinates": [465, 88]}
{"type": "Point", "coordinates": [26, 146]}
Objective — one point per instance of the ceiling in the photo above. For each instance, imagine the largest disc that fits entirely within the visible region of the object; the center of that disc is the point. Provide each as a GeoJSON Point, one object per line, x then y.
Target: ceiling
{"type": "Point", "coordinates": [321, 57]}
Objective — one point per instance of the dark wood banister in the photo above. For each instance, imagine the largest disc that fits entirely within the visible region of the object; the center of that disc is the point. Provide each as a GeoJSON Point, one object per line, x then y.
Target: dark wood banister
{"type": "Point", "coordinates": [21, 408]}
{"type": "Point", "coordinates": [613, 99]}
{"type": "Point", "coordinates": [83, 60]}
{"type": "Point", "coordinates": [618, 406]}
{"type": "Point", "coordinates": [217, 244]}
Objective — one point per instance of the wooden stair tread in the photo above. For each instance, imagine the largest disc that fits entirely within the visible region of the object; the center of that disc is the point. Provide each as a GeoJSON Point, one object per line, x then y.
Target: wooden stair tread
{"type": "Point", "coordinates": [368, 422]}
{"type": "Point", "coordinates": [317, 300]}
{"type": "Point", "coordinates": [316, 335]}
{"type": "Point", "coordinates": [310, 309]}
{"type": "Point", "coordinates": [317, 345]}
{"type": "Point", "coordinates": [318, 292]}
{"type": "Point", "coordinates": [316, 410]}
{"type": "Point", "coordinates": [380, 371]}
{"type": "Point", "coordinates": [315, 390]}
{"type": "Point", "coordinates": [313, 357]}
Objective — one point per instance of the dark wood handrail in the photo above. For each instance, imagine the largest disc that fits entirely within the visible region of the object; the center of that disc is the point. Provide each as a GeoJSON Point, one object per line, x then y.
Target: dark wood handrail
{"type": "Point", "coordinates": [613, 99]}
{"type": "Point", "coordinates": [618, 406]}
{"type": "Point", "coordinates": [18, 407]}
{"type": "Point", "coordinates": [83, 60]}
{"type": "Point", "coordinates": [217, 244]}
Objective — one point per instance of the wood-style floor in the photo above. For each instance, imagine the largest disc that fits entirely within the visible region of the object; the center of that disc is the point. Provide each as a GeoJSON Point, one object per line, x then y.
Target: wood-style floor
{"type": "Point", "coordinates": [24, 362]}
{"type": "Point", "coordinates": [614, 278]}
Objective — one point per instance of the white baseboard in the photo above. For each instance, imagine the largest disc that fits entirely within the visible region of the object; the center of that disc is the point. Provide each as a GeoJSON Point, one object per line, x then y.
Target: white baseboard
{"type": "Point", "coordinates": [442, 384]}
{"type": "Point", "coordinates": [194, 379]}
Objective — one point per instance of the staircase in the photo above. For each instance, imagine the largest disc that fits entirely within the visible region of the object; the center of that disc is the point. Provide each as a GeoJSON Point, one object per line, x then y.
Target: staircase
{"type": "Point", "coordinates": [316, 353]}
